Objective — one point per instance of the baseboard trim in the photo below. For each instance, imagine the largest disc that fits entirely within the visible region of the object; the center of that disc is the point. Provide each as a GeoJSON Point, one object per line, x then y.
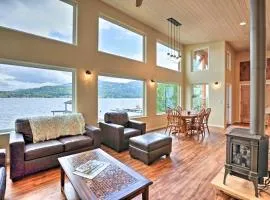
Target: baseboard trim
{"type": "Point", "coordinates": [155, 128]}
{"type": "Point", "coordinates": [216, 126]}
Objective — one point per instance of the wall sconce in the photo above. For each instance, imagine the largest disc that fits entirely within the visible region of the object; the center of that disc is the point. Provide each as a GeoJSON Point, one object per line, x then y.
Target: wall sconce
{"type": "Point", "coordinates": [216, 85]}
{"type": "Point", "coordinates": [88, 72]}
{"type": "Point", "coordinates": [152, 82]}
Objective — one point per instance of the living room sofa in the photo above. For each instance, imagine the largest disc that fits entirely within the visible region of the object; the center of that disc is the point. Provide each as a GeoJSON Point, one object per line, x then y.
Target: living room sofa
{"type": "Point", "coordinates": [2, 174]}
{"type": "Point", "coordinates": [27, 157]}
{"type": "Point", "coordinates": [117, 129]}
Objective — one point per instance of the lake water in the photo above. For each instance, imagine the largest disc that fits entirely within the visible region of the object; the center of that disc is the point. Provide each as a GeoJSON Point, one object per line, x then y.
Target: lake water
{"type": "Point", "coordinates": [13, 108]}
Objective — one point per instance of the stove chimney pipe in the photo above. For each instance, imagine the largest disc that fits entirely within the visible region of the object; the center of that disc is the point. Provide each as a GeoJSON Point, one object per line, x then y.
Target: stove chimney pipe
{"type": "Point", "coordinates": [258, 62]}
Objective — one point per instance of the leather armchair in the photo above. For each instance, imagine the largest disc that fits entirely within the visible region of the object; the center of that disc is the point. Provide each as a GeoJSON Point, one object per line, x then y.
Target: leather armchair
{"type": "Point", "coordinates": [2, 173]}
{"type": "Point", "coordinates": [117, 129]}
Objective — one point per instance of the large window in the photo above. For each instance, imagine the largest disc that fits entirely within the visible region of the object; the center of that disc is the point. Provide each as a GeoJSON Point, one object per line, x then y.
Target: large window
{"type": "Point", "coordinates": [163, 59]}
{"type": "Point", "coordinates": [117, 40]}
{"type": "Point", "coordinates": [200, 60]}
{"type": "Point", "coordinates": [200, 96]}
{"type": "Point", "coordinates": [28, 91]}
{"type": "Point", "coordinates": [167, 96]}
{"type": "Point", "coordinates": [120, 95]}
{"type": "Point", "coordinates": [54, 19]}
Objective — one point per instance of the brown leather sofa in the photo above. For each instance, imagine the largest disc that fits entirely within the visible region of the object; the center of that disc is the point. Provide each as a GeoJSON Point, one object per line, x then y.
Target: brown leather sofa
{"type": "Point", "coordinates": [27, 157]}
{"type": "Point", "coordinates": [117, 129]}
{"type": "Point", "coordinates": [2, 174]}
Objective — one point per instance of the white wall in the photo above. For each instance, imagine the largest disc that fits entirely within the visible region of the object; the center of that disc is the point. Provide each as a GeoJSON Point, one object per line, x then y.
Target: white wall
{"type": "Point", "coordinates": [215, 73]}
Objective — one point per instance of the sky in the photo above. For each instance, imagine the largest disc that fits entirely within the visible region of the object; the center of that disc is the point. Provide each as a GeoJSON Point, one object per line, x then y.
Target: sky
{"type": "Point", "coordinates": [54, 19]}
{"type": "Point", "coordinates": [48, 18]}
{"type": "Point", "coordinates": [18, 77]}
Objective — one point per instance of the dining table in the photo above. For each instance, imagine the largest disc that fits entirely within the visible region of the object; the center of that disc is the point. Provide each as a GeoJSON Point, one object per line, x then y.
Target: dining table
{"type": "Point", "coordinates": [188, 117]}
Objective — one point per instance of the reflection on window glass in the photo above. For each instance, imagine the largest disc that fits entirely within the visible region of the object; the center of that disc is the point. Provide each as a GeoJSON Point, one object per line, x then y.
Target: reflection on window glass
{"type": "Point", "coordinates": [163, 59]}
{"type": "Point", "coordinates": [120, 95]}
{"type": "Point", "coordinates": [167, 96]}
{"type": "Point", "coordinates": [200, 97]}
{"type": "Point", "coordinates": [51, 18]}
{"type": "Point", "coordinates": [200, 60]}
{"type": "Point", "coordinates": [117, 40]}
{"type": "Point", "coordinates": [28, 92]}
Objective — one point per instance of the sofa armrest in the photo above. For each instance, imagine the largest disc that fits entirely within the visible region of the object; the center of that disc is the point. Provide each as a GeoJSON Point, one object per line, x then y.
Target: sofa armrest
{"type": "Point", "coordinates": [112, 134]}
{"type": "Point", "coordinates": [2, 157]}
{"type": "Point", "coordinates": [137, 125]}
{"type": "Point", "coordinates": [16, 148]}
{"type": "Point", "coordinates": [94, 133]}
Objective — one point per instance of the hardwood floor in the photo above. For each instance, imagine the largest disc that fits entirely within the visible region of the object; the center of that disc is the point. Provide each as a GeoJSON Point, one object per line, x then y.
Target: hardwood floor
{"type": "Point", "coordinates": [185, 175]}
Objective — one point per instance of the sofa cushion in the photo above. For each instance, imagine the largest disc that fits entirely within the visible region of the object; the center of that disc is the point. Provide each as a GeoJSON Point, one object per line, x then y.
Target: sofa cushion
{"type": "Point", "coordinates": [150, 142]}
{"type": "Point", "coordinates": [2, 182]}
{"type": "Point", "coordinates": [131, 132]}
{"type": "Point", "coordinates": [120, 118]}
{"type": "Point", "coordinates": [76, 142]}
{"type": "Point", "coordinates": [42, 149]}
{"type": "Point", "coordinates": [23, 126]}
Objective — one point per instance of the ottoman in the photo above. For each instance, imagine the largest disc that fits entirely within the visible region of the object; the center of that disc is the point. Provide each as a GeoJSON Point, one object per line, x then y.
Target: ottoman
{"type": "Point", "coordinates": [150, 147]}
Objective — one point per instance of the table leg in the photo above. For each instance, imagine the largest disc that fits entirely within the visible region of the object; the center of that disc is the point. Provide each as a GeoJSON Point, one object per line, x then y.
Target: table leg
{"type": "Point", "coordinates": [145, 194]}
{"type": "Point", "coordinates": [62, 179]}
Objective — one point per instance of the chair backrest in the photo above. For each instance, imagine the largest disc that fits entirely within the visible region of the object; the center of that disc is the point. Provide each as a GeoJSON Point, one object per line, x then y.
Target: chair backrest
{"type": "Point", "coordinates": [207, 114]}
{"type": "Point", "coordinates": [175, 117]}
{"type": "Point", "coordinates": [201, 116]}
{"type": "Point", "coordinates": [120, 118]}
{"type": "Point", "coordinates": [179, 109]}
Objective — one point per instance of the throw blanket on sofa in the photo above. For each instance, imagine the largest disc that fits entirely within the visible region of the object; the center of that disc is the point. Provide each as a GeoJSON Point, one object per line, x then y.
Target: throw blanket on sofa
{"type": "Point", "coordinates": [46, 128]}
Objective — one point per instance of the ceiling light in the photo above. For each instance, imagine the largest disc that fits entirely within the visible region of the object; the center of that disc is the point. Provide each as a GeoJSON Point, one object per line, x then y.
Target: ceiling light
{"type": "Point", "coordinates": [174, 40]}
{"type": "Point", "coordinates": [243, 23]}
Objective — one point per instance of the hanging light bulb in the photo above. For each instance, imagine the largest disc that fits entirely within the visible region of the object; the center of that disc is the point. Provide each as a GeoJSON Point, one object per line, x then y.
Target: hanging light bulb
{"type": "Point", "coordinates": [173, 53]}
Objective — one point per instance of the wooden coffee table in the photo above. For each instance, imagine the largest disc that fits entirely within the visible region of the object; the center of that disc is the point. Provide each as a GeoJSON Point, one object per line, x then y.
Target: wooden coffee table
{"type": "Point", "coordinates": [117, 181]}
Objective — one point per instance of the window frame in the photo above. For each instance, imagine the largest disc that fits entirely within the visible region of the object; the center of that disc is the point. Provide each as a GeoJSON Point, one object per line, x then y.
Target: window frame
{"type": "Point", "coordinates": [125, 26]}
{"type": "Point", "coordinates": [179, 102]}
{"type": "Point", "coordinates": [179, 52]}
{"type": "Point", "coordinates": [74, 31]}
{"type": "Point", "coordinates": [192, 52]}
{"type": "Point", "coordinates": [192, 93]}
{"type": "Point", "coordinates": [47, 67]}
{"type": "Point", "coordinates": [144, 114]}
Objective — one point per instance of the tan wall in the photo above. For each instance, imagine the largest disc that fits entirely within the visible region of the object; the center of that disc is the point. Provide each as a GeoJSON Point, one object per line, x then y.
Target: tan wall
{"type": "Point", "coordinates": [24, 47]}
{"type": "Point", "coordinates": [215, 73]}
{"type": "Point", "coordinates": [240, 57]}
{"type": "Point", "coordinates": [20, 46]}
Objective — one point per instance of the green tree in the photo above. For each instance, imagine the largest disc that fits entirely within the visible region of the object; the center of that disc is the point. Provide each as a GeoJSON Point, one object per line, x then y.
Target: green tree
{"type": "Point", "coordinates": [167, 96]}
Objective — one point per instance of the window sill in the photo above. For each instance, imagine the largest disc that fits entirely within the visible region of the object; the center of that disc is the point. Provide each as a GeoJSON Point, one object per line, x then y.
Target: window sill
{"type": "Point", "coordinates": [160, 114]}
{"type": "Point", "coordinates": [135, 117]}
{"type": "Point", "coordinates": [5, 132]}
{"type": "Point", "coordinates": [169, 69]}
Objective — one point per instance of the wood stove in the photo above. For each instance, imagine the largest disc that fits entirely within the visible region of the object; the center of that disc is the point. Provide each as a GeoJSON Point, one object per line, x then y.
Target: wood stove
{"type": "Point", "coordinates": [246, 156]}
{"type": "Point", "coordinates": [247, 149]}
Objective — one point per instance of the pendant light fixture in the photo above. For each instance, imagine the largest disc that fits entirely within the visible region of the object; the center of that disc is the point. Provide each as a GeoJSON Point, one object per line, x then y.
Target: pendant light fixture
{"type": "Point", "coordinates": [173, 40]}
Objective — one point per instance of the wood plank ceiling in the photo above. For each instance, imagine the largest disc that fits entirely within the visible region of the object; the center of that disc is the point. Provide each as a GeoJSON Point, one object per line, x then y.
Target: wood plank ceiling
{"type": "Point", "coordinates": [203, 20]}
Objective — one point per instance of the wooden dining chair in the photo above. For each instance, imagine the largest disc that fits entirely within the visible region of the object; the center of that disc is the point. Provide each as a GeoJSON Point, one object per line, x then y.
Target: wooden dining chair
{"type": "Point", "coordinates": [169, 118]}
{"type": "Point", "coordinates": [198, 126]}
{"type": "Point", "coordinates": [206, 117]}
{"type": "Point", "coordinates": [173, 121]}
